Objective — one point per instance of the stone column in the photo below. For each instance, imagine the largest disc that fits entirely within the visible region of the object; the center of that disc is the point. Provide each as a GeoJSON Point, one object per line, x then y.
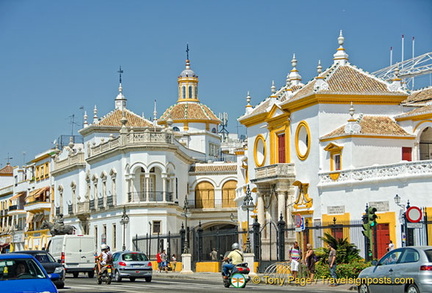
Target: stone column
{"type": "Point", "coordinates": [249, 258]}
{"type": "Point", "coordinates": [164, 185]}
{"type": "Point", "coordinates": [146, 191]}
{"type": "Point", "coordinates": [281, 204]}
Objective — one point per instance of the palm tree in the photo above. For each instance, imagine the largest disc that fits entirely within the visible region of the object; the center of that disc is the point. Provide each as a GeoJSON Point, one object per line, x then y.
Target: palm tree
{"type": "Point", "coordinates": [346, 252]}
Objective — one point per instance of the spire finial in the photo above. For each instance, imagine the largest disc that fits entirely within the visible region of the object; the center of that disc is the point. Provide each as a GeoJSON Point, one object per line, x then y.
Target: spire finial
{"type": "Point", "coordinates": [187, 51]}
{"type": "Point", "coordinates": [340, 56]}
{"type": "Point", "coordinates": [319, 67]}
{"type": "Point", "coordinates": [273, 87]}
{"type": "Point", "coordinates": [120, 71]}
{"type": "Point", "coordinates": [154, 112]}
{"type": "Point", "coordinates": [248, 99]}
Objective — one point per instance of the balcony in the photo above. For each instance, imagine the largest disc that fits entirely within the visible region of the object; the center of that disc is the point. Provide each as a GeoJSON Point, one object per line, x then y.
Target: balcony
{"type": "Point", "coordinates": [134, 139]}
{"type": "Point", "coordinates": [70, 163]}
{"type": "Point", "coordinates": [273, 173]}
{"type": "Point", "coordinates": [16, 210]}
{"type": "Point", "coordinates": [418, 169]}
{"type": "Point", "coordinates": [151, 196]}
{"type": "Point", "coordinates": [37, 205]}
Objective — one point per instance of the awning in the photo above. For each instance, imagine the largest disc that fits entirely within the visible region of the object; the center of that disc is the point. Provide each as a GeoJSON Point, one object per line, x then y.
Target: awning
{"type": "Point", "coordinates": [38, 192]}
{"type": "Point", "coordinates": [17, 195]}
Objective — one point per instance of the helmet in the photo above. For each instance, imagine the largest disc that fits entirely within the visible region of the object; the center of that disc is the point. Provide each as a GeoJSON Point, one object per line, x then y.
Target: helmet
{"type": "Point", "coordinates": [104, 246]}
{"type": "Point", "coordinates": [235, 246]}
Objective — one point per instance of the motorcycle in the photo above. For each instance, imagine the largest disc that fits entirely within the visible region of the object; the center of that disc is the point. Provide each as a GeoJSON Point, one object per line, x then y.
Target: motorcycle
{"type": "Point", "coordinates": [106, 275]}
{"type": "Point", "coordinates": [238, 277]}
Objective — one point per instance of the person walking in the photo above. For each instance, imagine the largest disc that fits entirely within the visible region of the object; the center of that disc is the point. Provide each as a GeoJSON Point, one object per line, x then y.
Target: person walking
{"type": "Point", "coordinates": [295, 257]}
{"type": "Point", "coordinates": [332, 262]}
{"type": "Point", "coordinates": [213, 254]}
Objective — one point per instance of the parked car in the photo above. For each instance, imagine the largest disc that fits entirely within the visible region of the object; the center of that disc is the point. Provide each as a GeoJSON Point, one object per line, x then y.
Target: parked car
{"type": "Point", "coordinates": [132, 265]}
{"type": "Point", "coordinates": [406, 269]}
{"type": "Point", "coordinates": [23, 273]}
{"type": "Point", "coordinates": [50, 265]}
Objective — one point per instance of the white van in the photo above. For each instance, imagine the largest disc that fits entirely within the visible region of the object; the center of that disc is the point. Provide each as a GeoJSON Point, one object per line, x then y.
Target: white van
{"type": "Point", "coordinates": [75, 252]}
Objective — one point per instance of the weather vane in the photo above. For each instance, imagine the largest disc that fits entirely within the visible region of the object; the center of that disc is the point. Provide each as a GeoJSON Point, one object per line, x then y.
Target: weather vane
{"type": "Point", "coordinates": [120, 73]}
{"type": "Point", "coordinates": [187, 51]}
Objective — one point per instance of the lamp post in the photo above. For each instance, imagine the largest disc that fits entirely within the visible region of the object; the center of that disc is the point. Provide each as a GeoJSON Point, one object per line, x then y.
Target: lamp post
{"type": "Point", "coordinates": [402, 218]}
{"type": "Point", "coordinates": [124, 221]}
{"type": "Point", "coordinates": [186, 214]}
{"type": "Point", "coordinates": [248, 206]}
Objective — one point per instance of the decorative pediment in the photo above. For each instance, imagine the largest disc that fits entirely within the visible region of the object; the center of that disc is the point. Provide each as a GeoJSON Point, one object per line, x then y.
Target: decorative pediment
{"type": "Point", "coordinates": [332, 147]}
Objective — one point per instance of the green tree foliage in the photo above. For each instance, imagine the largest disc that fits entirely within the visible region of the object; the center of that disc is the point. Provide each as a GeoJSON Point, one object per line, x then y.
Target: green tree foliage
{"type": "Point", "coordinates": [345, 252]}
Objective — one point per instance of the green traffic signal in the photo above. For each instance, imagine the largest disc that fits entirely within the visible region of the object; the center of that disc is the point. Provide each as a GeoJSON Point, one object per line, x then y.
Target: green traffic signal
{"type": "Point", "coordinates": [372, 216]}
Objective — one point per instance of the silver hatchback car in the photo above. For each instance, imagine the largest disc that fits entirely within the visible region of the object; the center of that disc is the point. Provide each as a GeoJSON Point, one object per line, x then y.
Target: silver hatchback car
{"type": "Point", "coordinates": [132, 265]}
{"type": "Point", "coordinates": [405, 270]}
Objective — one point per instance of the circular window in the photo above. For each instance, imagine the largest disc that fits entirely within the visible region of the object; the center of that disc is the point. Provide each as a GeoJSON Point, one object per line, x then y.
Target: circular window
{"type": "Point", "coordinates": [259, 153]}
{"type": "Point", "coordinates": [303, 140]}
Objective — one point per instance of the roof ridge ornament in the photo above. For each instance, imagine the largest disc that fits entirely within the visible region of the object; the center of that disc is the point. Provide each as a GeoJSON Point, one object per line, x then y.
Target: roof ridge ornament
{"type": "Point", "coordinates": [340, 57]}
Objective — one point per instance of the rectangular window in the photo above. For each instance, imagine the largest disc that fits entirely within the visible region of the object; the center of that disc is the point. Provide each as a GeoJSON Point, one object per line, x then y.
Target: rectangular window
{"type": "Point", "coordinates": [156, 227]}
{"type": "Point", "coordinates": [337, 162]}
{"type": "Point", "coordinates": [96, 233]}
{"type": "Point", "coordinates": [406, 154]}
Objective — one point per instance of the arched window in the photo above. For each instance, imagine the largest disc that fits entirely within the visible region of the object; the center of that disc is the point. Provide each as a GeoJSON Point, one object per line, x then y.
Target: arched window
{"type": "Point", "coordinates": [183, 92]}
{"type": "Point", "coordinates": [190, 92]}
{"type": "Point", "coordinates": [196, 92]}
{"type": "Point", "coordinates": [175, 128]}
{"type": "Point", "coordinates": [204, 195]}
{"type": "Point", "coordinates": [426, 144]}
{"type": "Point", "coordinates": [228, 194]}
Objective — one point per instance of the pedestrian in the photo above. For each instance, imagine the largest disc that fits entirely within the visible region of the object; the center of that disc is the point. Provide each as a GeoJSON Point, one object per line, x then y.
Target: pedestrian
{"type": "Point", "coordinates": [295, 257]}
{"type": "Point", "coordinates": [332, 263]}
{"type": "Point", "coordinates": [310, 260]}
{"type": "Point", "coordinates": [159, 261]}
{"type": "Point", "coordinates": [173, 262]}
{"type": "Point", "coordinates": [213, 254]}
{"type": "Point", "coordinates": [164, 259]}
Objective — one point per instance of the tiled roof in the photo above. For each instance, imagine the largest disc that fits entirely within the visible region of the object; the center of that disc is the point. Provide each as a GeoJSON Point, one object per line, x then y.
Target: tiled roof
{"type": "Point", "coordinates": [213, 168]}
{"type": "Point", "coordinates": [6, 170]}
{"type": "Point", "coordinates": [113, 119]}
{"type": "Point", "coordinates": [420, 96]}
{"type": "Point", "coordinates": [417, 111]}
{"type": "Point", "coordinates": [346, 79]}
{"type": "Point", "coordinates": [374, 125]}
{"type": "Point", "coordinates": [189, 110]}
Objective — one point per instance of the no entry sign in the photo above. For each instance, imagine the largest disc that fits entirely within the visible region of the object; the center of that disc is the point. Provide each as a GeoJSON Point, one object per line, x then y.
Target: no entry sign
{"type": "Point", "coordinates": [414, 214]}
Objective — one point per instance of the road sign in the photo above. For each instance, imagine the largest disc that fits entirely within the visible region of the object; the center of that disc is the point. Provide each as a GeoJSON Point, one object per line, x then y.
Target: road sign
{"type": "Point", "coordinates": [415, 225]}
{"type": "Point", "coordinates": [414, 214]}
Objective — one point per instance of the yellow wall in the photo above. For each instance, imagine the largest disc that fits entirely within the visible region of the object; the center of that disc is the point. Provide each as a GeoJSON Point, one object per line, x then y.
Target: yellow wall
{"type": "Point", "coordinates": [340, 219]}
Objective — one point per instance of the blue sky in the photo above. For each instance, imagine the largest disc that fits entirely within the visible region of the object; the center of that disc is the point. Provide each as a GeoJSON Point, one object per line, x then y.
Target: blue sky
{"type": "Point", "coordinates": [58, 56]}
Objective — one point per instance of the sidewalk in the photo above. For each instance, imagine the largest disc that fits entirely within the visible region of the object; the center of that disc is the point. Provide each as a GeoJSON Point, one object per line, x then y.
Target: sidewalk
{"type": "Point", "coordinates": [258, 279]}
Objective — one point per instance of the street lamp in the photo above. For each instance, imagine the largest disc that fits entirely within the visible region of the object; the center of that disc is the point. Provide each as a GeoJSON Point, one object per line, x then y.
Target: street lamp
{"type": "Point", "coordinates": [403, 220]}
{"type": "Point", "coordinates": [124, 221]}
{"type": "Point", "coordinates": [248, 206]}
{"type": "Point", "coordinates": [186, 213]}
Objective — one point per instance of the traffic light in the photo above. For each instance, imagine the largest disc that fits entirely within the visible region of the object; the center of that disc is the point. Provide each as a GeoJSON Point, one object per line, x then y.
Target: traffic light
{"type": "Point", "coordinates": [372, 216]}
{"type": "Point", "coordinates": [366, 226]}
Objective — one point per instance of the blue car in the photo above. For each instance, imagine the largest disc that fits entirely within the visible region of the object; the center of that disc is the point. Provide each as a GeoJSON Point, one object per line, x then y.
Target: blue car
{"type": "Point", "coordinates": [23, 273]}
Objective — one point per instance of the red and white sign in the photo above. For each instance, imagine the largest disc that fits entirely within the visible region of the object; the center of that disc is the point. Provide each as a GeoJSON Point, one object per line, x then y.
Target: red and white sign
{"type": "Point", "coordinates": [414, 214]}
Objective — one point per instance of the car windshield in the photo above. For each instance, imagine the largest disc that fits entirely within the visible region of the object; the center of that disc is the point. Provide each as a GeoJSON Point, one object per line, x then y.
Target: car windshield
{"type": "Point", "coordinates": [20, 268]}
{"type": "Point", "coordinates": [429, 254]}
{"type": "Point", "coordinates": [134, 257]}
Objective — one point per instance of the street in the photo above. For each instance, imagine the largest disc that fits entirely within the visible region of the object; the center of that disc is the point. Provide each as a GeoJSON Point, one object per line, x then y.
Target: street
{"type": "Point", "coordinates": [179, 283]}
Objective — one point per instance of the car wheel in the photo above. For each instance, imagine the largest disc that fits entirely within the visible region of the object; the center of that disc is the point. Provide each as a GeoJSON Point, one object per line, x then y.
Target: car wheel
{"type": "Point", "coordinates": [132, 279]}
{"type": "Point", "coordinates": [363, 288]}
{"type": "Point", "coordinates": [75, 274]}
{"type": "Point", "coordinates": [59, 285]}
{"type": "Point", "coordinates": [412, 289]}
{"type": "Point", "coordinates": [148, 279]}
{"type": "Point", "coordinates": [91, 274]}
{"type": "Point", "coordinates": [117, 277]}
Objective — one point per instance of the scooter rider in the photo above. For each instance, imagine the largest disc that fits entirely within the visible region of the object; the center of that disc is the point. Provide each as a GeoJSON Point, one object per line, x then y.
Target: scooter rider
{"type": "Point", "coordinates": [236, 257]}
{"type": "Point", "coordinates": [104, 258]}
